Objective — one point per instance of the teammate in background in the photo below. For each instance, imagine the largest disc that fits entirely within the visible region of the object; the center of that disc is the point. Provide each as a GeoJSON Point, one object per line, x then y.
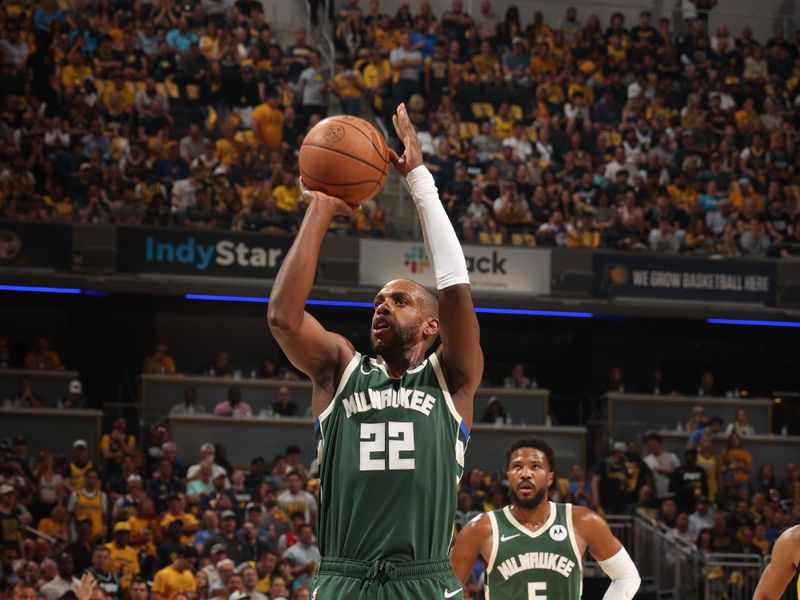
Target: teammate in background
{"type": "Point", "coordinates": [533, 548]}
{"type": "Point", "coordinates": [391, 430]}
{"type": "Point", "coordinates": [783, 565]}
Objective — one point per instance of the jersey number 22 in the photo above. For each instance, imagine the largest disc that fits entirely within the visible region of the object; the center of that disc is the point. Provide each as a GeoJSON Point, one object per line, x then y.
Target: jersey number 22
{"type": "Point", "coordinates": [375, 437]}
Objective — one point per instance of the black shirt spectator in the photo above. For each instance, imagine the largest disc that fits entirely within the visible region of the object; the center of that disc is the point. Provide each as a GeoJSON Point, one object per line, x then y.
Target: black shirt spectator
{"type": "Point", "coordinates": [688, 483]}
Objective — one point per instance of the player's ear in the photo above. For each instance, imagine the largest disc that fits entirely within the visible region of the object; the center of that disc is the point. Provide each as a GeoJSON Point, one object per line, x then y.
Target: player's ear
{"type": "Point", "coordinates": [431, 326]}
{"type": "Point", "coordinates": [550, 477]}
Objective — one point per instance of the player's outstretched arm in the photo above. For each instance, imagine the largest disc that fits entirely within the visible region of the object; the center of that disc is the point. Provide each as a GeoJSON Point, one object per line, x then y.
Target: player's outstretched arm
{"type": "Point", "coordinates": [473, 541]}
{"type": "Point", "coordinates": [782, 566]}
{"type": "Point", "coordinates": [313, 350]}
{"type": "Point", "coordinates": [458, 326]}
{"type": "Point", "coordinates": [594, 533]}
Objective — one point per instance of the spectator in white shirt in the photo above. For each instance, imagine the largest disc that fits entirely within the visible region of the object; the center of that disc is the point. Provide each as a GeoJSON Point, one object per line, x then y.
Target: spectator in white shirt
{"type": "Point", "coordinates": [661, 463]}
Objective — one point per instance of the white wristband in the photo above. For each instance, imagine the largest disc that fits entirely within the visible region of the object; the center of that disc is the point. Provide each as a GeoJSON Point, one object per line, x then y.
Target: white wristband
{"type": "Point", "coordinates": [444, 249]}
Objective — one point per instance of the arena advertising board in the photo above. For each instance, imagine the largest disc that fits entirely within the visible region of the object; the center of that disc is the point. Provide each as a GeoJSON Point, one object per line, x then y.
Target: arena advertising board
{"type": "Point", "coordinates": [200, 253]}
{"type": "Point", "coordinates": [683, 278]}
{"type": "Point", "coordinates": [492, 269]}
{"type": "Point", "coordinates": [35, 245]}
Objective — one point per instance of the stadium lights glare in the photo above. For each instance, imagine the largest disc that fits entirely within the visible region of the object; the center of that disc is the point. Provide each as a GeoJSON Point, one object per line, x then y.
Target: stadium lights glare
{"type": "Point", "coordinates": [39, 289]}
{"type": "Point", "coordinates": [753, 323]}
{"type": "Point", "coordinates": [354, 304]}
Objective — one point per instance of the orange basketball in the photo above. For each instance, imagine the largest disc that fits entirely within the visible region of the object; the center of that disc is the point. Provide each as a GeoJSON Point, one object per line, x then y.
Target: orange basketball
{"type": "Point", "coordinates": [345, 157]}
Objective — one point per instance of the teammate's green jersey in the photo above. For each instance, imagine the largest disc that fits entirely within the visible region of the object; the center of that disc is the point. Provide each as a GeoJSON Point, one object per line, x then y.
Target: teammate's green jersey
{"type": "Point", "coordinates": [534, 565]}
{"type": "Point", "coordinates": [391, 454]}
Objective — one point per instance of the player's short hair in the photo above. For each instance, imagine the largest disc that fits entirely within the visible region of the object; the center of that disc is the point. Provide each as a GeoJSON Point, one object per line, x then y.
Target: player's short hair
{"type": "Point", "coordinates": [529, 441]}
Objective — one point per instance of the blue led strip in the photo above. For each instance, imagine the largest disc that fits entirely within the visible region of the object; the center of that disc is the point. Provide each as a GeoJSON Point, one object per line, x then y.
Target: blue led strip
{"type": "Point", "coordinates": [753, 323]}
{"type": "Point", "coordinates": [354, 304]}
{"type": "Point", "coordinates": [534, 313]}
{"type": "Point", "coordinates": [39, 289]}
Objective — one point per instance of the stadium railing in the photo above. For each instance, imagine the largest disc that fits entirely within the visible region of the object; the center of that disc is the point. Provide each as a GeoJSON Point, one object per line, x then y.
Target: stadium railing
{"type": "Point", "coordinates": [667, 568]}
{"type": "Point", "coordinates": [731, 576]}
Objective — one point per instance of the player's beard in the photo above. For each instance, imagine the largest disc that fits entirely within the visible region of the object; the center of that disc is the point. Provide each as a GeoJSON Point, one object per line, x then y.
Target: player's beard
{"type": "Point", "coordinates": [401, 339]}
{"type": "Point", "coordinates": [528, 503]}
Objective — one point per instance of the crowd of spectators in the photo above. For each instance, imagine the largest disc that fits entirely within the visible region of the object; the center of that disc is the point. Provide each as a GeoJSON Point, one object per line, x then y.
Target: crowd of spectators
{"type": "Point", "coordinates": [145, 525]}
{"type": "Point", "coordinates": [587, 135]}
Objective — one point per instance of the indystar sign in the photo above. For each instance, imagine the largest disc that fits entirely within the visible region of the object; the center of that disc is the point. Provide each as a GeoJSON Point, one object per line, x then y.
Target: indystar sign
{"type": "Point", "coordinates": [224, 253]}
{"type": "Point", "coordinates": [491, 268]}
{"type": "Point", "coordinates": [177, 251]}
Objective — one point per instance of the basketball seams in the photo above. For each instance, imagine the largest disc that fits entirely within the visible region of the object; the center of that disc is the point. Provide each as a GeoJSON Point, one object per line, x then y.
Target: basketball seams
{"type": "Point", "coordinates": [343, 153]}
{"type": "Point", "coordinates": [385, 160]}
{"type": "Point", "coordinates": [348, 184]}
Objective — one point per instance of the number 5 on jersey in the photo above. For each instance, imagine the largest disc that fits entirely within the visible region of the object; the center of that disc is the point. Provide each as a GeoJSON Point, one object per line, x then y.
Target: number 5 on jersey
{"type": "Point", "coordinates": [374, 441]}
{"type": "Point", "coordinates": [537, 586]}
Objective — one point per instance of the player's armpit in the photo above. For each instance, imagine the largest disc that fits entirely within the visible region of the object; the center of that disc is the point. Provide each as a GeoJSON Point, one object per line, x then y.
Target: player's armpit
{"type": "Point", "coordinates": [312, 349]}
{"type": "Point", "coordinates": [473, 541]}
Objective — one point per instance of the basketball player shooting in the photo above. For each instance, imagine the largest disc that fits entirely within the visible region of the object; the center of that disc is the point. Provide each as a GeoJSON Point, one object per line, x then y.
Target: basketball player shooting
{"type": "Point", "coordinates": [391, 429]}
{"type": "Point", "coordinates": [783, 566]}
{"type": "Point", "coordinates": [533, 548]}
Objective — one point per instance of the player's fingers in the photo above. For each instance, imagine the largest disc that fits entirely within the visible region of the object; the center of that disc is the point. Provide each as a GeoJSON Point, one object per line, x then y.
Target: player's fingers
{"type": "Point", "coordinates": [301, 185]}
{"type": "Point", "coordinates": [396, 160]}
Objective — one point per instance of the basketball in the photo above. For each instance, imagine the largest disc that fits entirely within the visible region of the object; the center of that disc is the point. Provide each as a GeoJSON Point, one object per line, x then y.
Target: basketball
{"type": "Point", "coordinates": [345, 157]}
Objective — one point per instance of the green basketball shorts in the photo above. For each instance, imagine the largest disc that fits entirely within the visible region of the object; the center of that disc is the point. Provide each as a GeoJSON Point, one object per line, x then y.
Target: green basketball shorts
{"type": "Point", "coordinates": [340, 579]}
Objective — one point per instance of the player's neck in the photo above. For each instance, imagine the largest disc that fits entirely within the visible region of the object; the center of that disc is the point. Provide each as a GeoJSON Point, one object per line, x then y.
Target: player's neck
{"type": "Point", "coordinates": [532, 518]}
{"type": "Point", "coordinates": [397, 364]}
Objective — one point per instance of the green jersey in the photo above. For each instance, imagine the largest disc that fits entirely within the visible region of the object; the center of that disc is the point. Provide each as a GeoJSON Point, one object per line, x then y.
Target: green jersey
{"type": "Point", "coordinates": [391, 454]}
{"type": "Point", "coordinates": [534, 565]}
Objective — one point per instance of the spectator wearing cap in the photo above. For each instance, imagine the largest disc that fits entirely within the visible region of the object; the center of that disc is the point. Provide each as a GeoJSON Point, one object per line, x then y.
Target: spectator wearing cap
{"type": "Point", "coordinates": [42, 357]}
{"type": "Point", "coordinates": [233, 405]}
{"type": "Point", "coordinates": [220, 497]}
{"type": "Point", "coordinates": [74, 397]}
{"type": "Point", "coordinates": [701, 518]}
{"type": "Point", "coordinates": [253, 515]}
{"type": "Point", "coordinates": [170, 543]}
{"type": "Point", "coordinates": [10, 518]}
{"type": "Point", "coordinates": [611, 481]}
{"type": "Point", "coordinates": [124, 557]}
{"type": "Point", "coordinates": [65, 581]}
{"type": "Point", "coordinates": [176, 511]}
{"type": "Point", "coordinates": [233, 545]}
{"type": "Point", "coordinates": [89, 501]}
{"type": "Point", "coordinates": [217, 554]}
{"type": "Point", "coordinates": [177, 577]}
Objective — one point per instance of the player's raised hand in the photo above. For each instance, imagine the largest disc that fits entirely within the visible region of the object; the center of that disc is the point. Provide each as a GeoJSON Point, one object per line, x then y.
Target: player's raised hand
{"type": "Point", "coordinates": [339, 206]}
{"type": "Point", "coordinates": [412, 155]}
